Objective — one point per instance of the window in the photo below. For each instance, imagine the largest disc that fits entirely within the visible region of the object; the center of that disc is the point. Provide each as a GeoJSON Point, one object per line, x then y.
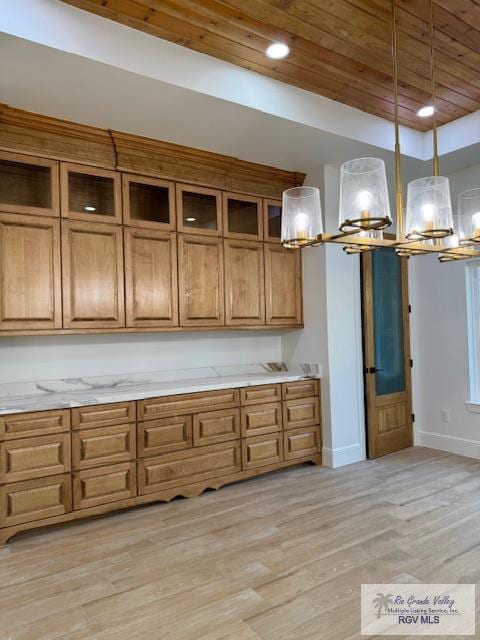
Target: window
{"type": "Point", "coordinates": [473, 319]}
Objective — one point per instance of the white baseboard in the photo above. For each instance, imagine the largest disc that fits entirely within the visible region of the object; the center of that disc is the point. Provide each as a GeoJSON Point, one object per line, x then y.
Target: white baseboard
{"type": "Point", "coordinates": [342, 456]}
{"type": "Point", "coordinates": [452, 444]}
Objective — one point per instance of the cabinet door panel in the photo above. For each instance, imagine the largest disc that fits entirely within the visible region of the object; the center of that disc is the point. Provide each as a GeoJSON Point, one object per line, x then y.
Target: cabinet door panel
{"type": "Point", "coordinates": [186, 467]}
{"type": "Point", "coordinates": [301, 413]}
{"type": "Point", "coordinates": [216, 426]}
{"type": "Point", "coordinates": [260, 451]}
{"type": "Point", "coordinates": [244, 283]}
{"type": "Point", "coordinates": [30, 280]}
{"type": "Point", "coordinates": [164, 435]}
{"type": "Point", "coordinates": [92, 267]}
{"type": "Point", "coordinates": [103, 415]}
{"type": "Point", "coordinates": [261, 419]}
{"type": "Point", "coordinates": [90, 194]}
{"type": "Point", "coordinates": [97, 447]}
{"type": "Point", "coordinates": [200, 262]}
{"type": "Point", "coordinates": [29, 185]}
{"type": "Point", "coordinates": [35, 499]}
{"type": "Point", "coordinates": [187, 403]}
{"type": "Point", "coordinates": [151, 278]}
{"type": "Point", "coordinates": [260, 394]}
{"type": "Point", "coordinates": [31, 458]}
{"type": "Point", "coordinates": [93, 487]}
{"type": "Point", "coordinates": [148, 202]}
{"type": "Point", "coordinates": [283, 285]}
{"type": "Point", "coordinates": [300, 389]}
{"type": "Point", "coordinates": [36, 423]}
{"type": "Point", "coordinates": [299, 443]}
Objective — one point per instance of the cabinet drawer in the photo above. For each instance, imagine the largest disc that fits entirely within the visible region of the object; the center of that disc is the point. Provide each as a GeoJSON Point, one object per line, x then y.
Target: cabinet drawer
{"type": "Point", "coordinates": [304, 412]}
{"type": "Point", "coordinates": [34, 458]}
{"type": "Point", "coordinates": [96, 447]}
{"type": "Point", "coordinates": [187, 403]}
{"type": "Point", "coordinates": [186, 467]}
{"type": "Point", "coordinates": [263, 393]}
{"type": "Point", "coordinates": [35, 500]}
{"type": "Point", "coordinates": [216, 426]}
{"type": "Point", "coordinates": [93, 487]}
{"type": "Point", "coordinates": [164, 435]}
{"type": "Point", "coordinates": [261, 419]}
{"type": "Point", "coordinates": [262, 450]}
{"type": "Point", "coordinates": [299, 389]}
{"type": "Point", "coordinates": [301, 442]}
{"type": "Point", "coordinates": [37, 423]}
{"type": "Point", "coordinates": [103, 415]}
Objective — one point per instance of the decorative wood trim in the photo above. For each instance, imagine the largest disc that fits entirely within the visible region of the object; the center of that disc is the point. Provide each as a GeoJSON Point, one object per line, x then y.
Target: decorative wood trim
{"type": "Point", "coordinates": [35, 134]}
{"type": "Point", "coordinates": [39, 135]}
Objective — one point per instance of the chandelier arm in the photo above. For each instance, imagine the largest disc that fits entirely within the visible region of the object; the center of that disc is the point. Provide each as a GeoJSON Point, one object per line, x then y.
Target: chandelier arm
{"type": "Point", "coordinates": [436, 169]}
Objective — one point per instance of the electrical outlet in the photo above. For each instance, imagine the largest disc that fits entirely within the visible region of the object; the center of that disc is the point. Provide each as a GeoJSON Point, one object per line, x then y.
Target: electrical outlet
{"type": "Point", "coordinates": [445, 416]}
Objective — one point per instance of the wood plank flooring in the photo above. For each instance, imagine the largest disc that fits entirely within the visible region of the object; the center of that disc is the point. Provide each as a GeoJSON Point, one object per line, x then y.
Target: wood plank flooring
{"type": "Point", "coordinates": [280, 557]}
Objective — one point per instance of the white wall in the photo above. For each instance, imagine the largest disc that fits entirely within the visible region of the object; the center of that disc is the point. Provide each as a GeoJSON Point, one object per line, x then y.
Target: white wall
{"type": "Point", "coordinates": [439, 347]}
{"type": "Point", "coordinates": [333, 334]}
{"type": "Point", "coordinates": [47, 357]}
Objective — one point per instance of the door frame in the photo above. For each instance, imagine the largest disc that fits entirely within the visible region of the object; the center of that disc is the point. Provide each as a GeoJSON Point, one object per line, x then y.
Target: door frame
{"type": "Point", "coordinates": [369, 351]}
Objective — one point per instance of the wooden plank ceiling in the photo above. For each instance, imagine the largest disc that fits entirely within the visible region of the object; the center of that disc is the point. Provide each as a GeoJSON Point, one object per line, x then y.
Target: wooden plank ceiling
{"type": "Point", "coordinates": [340, 49]}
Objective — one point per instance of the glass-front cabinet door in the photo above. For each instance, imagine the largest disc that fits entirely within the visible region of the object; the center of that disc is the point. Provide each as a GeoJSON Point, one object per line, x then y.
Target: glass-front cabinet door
{"type": "Point", "coordinates": [242, 216]}
{"type": "Point", "coordinates": [148, 202]}
{"type": "Point", "coordinates": [90, 194]}
{"type": "Point", "coordinates": [272, 220]}
{"type": "Point", "coordinates": [199, 210]}
{"type": "Point", "coordinates": [28, 185]}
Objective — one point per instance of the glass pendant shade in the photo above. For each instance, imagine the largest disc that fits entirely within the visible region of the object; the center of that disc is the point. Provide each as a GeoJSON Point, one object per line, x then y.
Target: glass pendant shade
{"type": "Point", "coordinates": [469, 216]}
{"type": "Point", "coordinates": [364, 202]}
{"type": "Point", "coordinates": [429, 209]}
{"type": "Point", "coordinates": [301, 216]}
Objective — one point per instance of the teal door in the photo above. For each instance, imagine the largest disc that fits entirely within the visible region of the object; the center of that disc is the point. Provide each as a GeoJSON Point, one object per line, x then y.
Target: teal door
{"type": "Point", "coordinates": [386, 352]}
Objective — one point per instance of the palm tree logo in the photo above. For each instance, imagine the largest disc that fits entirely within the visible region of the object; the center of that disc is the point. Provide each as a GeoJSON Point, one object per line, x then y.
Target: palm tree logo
{"type": "Point", "coordinates": [382, 602]}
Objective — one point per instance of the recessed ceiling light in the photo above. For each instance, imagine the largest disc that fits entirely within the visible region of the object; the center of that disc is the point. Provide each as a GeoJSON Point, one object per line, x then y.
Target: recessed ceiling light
{"type": "Point", "coordinates": [425, 112]}
{"type": "Point", "coordinates": [89, 208]}
{"type": "Point", "coordinates": [190, 219]}
{"type": "Point", "coordinates": [277, 50]}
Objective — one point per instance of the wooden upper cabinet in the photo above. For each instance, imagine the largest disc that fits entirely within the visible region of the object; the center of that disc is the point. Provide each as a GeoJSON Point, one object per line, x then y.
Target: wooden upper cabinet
{"type": "Point", "coordinates": [90, 194]}
{"type": "Point", "coordinates": [28, 185]}
{"type": "Point", "coordinates": [30, 280]}
{"type": "Point", "coordinates": [242, 216]}
{"type": "Point", "coordinates": [151, 278]}
{"type": "Point", "coordinates": [201, 283]}
{"type": "Point", "coordinates": [92, 270]}
{"type": "Point", "coordinates": [244, 283]}
{"type": "Point", "coordinates": [272, 220]}
{"type": "Point", "coordinates": [148, 202]}
{"type": "Point", "coordinates": [199, 210]}
{"type": "Point", "coordinates": [283, 285]}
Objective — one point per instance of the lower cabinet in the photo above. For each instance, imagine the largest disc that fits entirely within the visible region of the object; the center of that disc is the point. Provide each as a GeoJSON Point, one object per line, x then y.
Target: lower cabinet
{"type": "Point", "coordinates": [54, 464]}
{"type": "Point", "coordinates": [94, 487]}
{"type": "Point", "coordinates": [35, 500]}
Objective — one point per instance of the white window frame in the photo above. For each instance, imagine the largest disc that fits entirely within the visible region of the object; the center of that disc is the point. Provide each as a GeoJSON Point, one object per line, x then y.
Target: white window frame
{"type": "Point", "coordinates": [472, 273]}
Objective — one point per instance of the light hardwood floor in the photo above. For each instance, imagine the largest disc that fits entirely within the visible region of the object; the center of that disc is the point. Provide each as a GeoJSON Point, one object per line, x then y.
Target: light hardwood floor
{"type": "Point", "coordinates": [280, 557]}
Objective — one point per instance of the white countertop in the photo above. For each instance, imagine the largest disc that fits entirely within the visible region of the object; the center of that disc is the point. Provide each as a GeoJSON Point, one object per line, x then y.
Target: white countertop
{"type": "Point", "coordinates": [21, 397]}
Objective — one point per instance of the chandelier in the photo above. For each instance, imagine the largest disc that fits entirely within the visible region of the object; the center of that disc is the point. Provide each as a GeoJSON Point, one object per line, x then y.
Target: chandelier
{"type": "Point", "coordinates": [364, 208]}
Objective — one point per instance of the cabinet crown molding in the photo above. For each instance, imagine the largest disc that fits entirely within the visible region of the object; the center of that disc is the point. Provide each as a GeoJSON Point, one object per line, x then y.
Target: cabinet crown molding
{"type": "Point", "coordinates": [36, 134]}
